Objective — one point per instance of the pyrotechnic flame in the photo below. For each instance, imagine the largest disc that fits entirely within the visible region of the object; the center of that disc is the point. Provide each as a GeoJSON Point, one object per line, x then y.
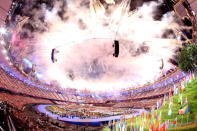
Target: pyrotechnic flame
{"type": "Point", "coordinates": [85, 39]}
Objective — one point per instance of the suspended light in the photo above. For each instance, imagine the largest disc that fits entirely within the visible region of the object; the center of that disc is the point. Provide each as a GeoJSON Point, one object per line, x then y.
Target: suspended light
{"type": "Point", "coordinates": [4, 51]}
{"type": "Point", "coordinates": [10, 63]}
{"type": "Point", "coordinates": [2, 42]}
{"type": "Point", "coordinates": [3, 30]}
{"type": "Point", "coordinates": [7, 58]}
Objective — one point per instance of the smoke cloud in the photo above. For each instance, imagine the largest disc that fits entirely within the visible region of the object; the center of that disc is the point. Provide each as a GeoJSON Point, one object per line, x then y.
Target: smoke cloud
{"type": "Point", "coordinates": [84, 31]}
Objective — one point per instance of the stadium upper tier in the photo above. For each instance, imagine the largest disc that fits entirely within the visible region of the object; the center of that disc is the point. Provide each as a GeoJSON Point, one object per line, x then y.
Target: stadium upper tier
{"type": "Point", "coordinates": [16, 84]}
{"type": "Point", "coordinates": [12, 81]}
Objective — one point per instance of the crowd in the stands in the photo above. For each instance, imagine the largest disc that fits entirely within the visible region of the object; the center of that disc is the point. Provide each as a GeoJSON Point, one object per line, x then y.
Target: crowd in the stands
{"type": "Point", "coordinates": [31, 120]}
{"type": "Point", "coordinates": [148, 99]}
{"type": "Point", "coordinates": [12, 86]}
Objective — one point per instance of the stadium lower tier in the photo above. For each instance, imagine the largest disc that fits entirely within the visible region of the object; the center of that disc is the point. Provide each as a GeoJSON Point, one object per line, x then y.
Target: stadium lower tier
{"type": "Point", "coordinates": [23, 110]}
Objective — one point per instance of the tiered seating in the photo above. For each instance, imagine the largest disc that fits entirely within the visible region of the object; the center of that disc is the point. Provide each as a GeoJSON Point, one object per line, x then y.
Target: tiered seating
{"type": "Point", "coordinates": [145, 99]}
{"type": "Point", "coordinates": [19, 101]}
{"type": "Point", "coordinates": [147, 104]}
{"type": "Point", "coordinates": [17, 86]}
{"type": "Point", "coordinates": [156, 92]}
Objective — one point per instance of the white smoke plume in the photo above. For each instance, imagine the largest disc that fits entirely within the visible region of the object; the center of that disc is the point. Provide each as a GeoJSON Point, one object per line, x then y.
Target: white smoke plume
{"type": "Point", "coordinates": [83, 32]}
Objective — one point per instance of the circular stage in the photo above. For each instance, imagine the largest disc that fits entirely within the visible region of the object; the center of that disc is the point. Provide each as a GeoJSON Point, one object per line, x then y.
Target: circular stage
{"type": "Point", "coordinates": [81, 120]}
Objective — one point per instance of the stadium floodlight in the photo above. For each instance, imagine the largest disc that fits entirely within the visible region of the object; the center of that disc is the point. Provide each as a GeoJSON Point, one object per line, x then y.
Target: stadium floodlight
{"type": "Point", "coordinates": [3, 30]}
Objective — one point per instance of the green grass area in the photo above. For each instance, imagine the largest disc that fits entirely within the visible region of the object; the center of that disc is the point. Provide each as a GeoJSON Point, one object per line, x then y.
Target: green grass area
{"type": "Point", "coordinates": [191, 93]}
{"type": "Point", "coordinates": [184, 122]}
{"type": "Point", "coordinates": [191, 127]}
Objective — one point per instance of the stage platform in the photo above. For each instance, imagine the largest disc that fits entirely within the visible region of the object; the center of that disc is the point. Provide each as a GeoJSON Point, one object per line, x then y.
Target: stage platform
{"type": "Point", "coordinates": [86, 121]}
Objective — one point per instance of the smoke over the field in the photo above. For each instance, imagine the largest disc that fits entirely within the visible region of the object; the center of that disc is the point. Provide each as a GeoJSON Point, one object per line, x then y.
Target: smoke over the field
{"type": "Point", "coordinates": [83, 32]}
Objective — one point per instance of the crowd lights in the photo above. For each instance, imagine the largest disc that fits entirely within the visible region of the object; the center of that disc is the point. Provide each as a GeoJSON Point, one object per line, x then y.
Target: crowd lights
{"type": "Point", "coordinates": [4, 52]}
